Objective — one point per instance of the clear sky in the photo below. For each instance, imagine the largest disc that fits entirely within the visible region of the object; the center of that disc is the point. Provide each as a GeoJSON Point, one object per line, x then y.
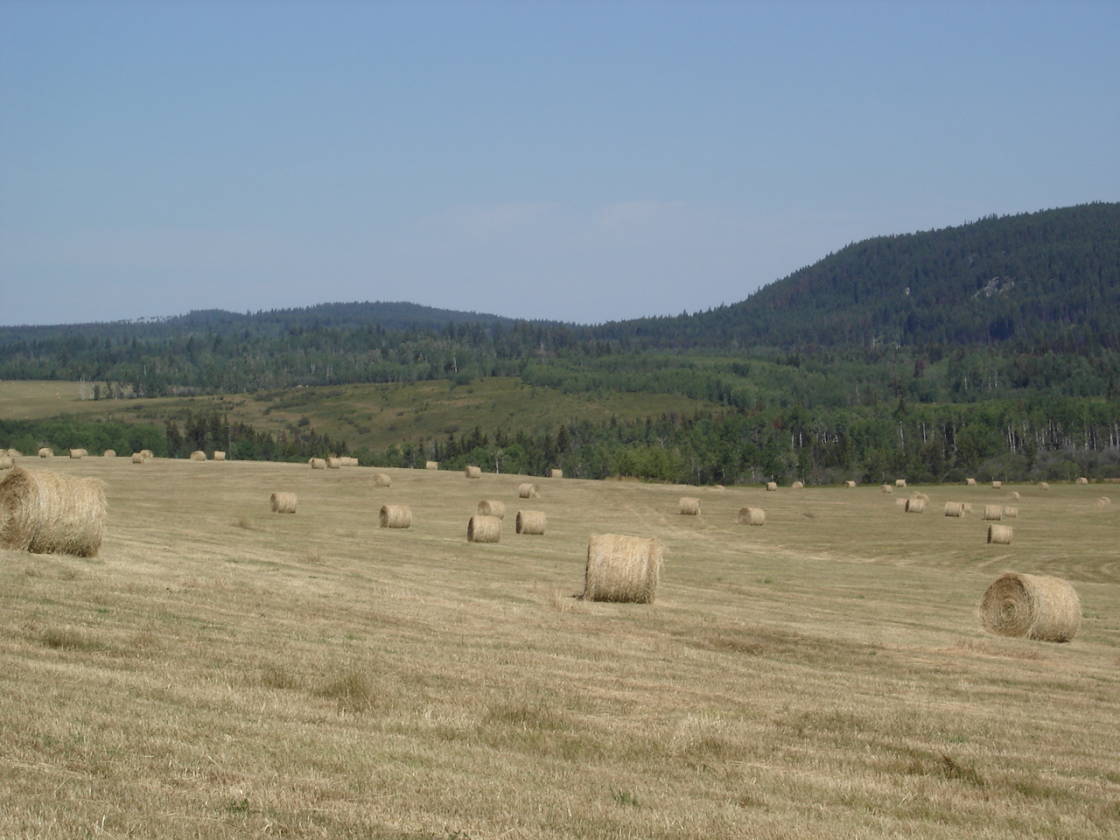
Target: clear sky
{"type": "Point", "coordinates": [581, 161]}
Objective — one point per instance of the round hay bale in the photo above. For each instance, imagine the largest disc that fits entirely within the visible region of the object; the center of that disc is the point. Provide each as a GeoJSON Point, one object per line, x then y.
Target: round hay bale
{"type": "Point", "coordinates": [555, 473]}
{"type": "Point", "coordinates": [1082, 480]}
{"type": "Point", "coordinates": [198, 455]}
{"type": "Point", "coordinates": [147, 453]}
{"type": "Point", "coordinates": [900, 482]}
{"type": "Point", "coordinates": [971, 482]}
{"type": "Point", "coordinates": [1042, 485]}
{"type": "Point", "coordinates": [348, 461]}
{"type": "Point", "coordinates": [1032, 606]}
{"type": "Point", "coordinates": [954, 509]}
{"type": "Point", "coordinates": [484, 529]}
{"type": "Point", "coordinates": [1014, 495]}
{"type": "Point", "coordinates": [431, 465]}
{"type": "Point", "coordinates": [752, 516]}
{"type": "Point", "coordinates": [13, 453]}
{"type": "Point", "coordinates": [45, 452]}
{"type": "Point", "coordinates": [1010, 512]}
{"type": "Point", "coordinates": [886, 488]}
{"type": "Point", "coordinates": [923, 496]}
{"type": "Point", "coordinates": [849, 484]}
{"type": "Point", "coordinates": [283, 502]}
{"type": "Point", "coordinates": [1000, 534]}
{"type": "Point", "coordinates": [382, 480]}
{"type": "Point", "coordinates": [915, 505]}
{"type": "Point", "coordinates": [6, 462]}
{"type": "Point", "coordinates": [526, 490]}
{"type": "Point", "coordinates": [771, 486]}
{"type": "Point", "coordinates": [78, 453]}
{"type": "Point", "coordinates": [996, 485]}
{"type": "Point", "coordinates": [219, 455]}
{"type": "Point", "coordinates": [622, 569]}
{"type": "Point", "coordinates": [689, 506]}
{"type": "Point", "coordinates": [395, 516]}
{"type": "Point", "coordinates": [530, 522]}
{"type": "Point", "coordinates": [334, 463]}
{"type": "Point", "coordinates": [492, 507]}
{"type": "Point", "coordinates": [318, 463]}
{"type": "Point", "coordinates": [47, 513]}
{"type": "Point", "coordinates": [110, 453]}
{"type": "Point", "coordinates": [473, 472]}
{"type": "Point", "coordinates": [137, 458]}
{"type": "Point", "coordinates": [798, 485]}
{"type": "Point", "coordinates": [993, 512]}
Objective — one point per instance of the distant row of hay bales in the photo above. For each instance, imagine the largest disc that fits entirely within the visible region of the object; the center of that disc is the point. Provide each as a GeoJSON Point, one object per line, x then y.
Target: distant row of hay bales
{"type": "Point", "coordinates": [47, 513]}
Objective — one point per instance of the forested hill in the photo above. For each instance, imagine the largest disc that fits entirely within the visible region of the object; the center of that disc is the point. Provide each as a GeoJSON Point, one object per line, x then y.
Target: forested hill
{"type": "Point", "coordinates": [1047, 280]}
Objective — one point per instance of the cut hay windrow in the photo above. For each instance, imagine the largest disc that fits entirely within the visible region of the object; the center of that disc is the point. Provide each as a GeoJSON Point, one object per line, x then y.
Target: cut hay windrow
{"type": "Point", "coordinates": [492, 507]}
{"type": "Point", "coordinates": [996, 485]}
{"type": "Point", "coordinates": [431, 465]}
{"type": "Point", "coordinates": [689, 506]}
{"type": "Point", "coordinates": [622, 569]}
{"type": "Point", "coordinates": [900, 482]}
{"type": "Point", "coordinates": [198, 455]}
{"type": "Point", "coordinates": [283, 502]}
{"type": "Point", "coordinates": [46, 452]}
{"type": "Point", "coordinates": [137, 458]}
{"type": "Point", "coordinates": [47, 513]}
{"type": "Point", "coordinates": [752, 516]}
{"type": "Point", "coordinates": [771, 486]}
{"type": "Point", "coordinates": [395, 516]}
{"type": "Point", "coordinates": [1000, 534]}
{"type": "Point", "coordinates": [526, 490]}
{"type": "Point", "coordinates": [219, 455]}
{"type": "Point", "coordinates": [798, 485]}
{"type": "Point", "coordinates": [1036, 607]}
{"type": "Point", "coordinates": [530, 522]}
{"type": "Point", "coordinates": [382, 480]}
{"type": "Point", "coordinates": [334, 463]}
{"type": "Point", "coordinates": [915, 505]}
{"type": "Point", "coordinates": [849, 484]}
{"type": "Point", "coordinates": [1010, 512]}
{"type": "Point", "coordinates": [971, 482]}
{"type": "Point", "coordinates": [484, 529]}
{"type": "Point", "coordinates": [954, 509]}
{"type": "Point", "coordinates": [473, 472]}
{"type": "Point", "coordinates": [1082, 480]}
{"type": "Point", "coordinates": [555, 473]}
{"type": "Point", "coordinates": [318, 463]}
{"type": "Point", "coordinates": [78, 453]}
{"type": "Point", "coordinates": [993, 512]}
{"type": "Point", "coordinates": [110, 453]}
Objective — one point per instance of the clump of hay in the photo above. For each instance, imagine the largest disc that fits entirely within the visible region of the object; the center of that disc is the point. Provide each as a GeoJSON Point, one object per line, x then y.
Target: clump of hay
{"type": "Point", "coordinates": [1082, 480]}
{"type": "Point", "coordinates": [752, 516]}
{"type": "Point", "coordinates": [110, 453]}
{"type": "Point", "coordinates": [849, 484]}
{"type": "Point", "coordinates": [219, 455]}
{"type": "Point", "coordinates": [993, 512]}
{"type": "Point", "coordinates": [198, 455]}
{"type": "Point", "coordinates": [1042, 485]}
{"type": "Point", "coordinates": [1000, 534]}
{"type": "Point", "coordinates": [492, 507]}
{"type": "Point", "coordinates": [900, 482]}
{"type": "Point", "coordinates": [689, 506]}
{"type": "Point", "coordinates": [771, 486]}
{"type": "Point", "coordinates": [555, 473]}
{"type": "Point", "coordinates": [473, 472]}
{"type": "Point", "coordinates": [395, 516]}
{"type": "Point", "coordinates": [45, 452]}
{"type": "Point", "coordinates": [318, 463]}
{"type": "Point", "coordinates": [431, 465]}
{"type": "Point", "coordinates": [996, 485]}
{"type": "Point", "coordinates": [915, 505]}
{"type": "Point", "coordinates": [971, 482]}
{"type": "Point", "coordinates": [47, 513]}
{"type": "Point", "coordinates": [1010, 512]}
{"type": "Point", "coordinates": [484, 529]}
{"type": "Point", "coordinates": [382, 480]}
{"type": "Point", "coordinates": [78, 453]}
{"type": "Point", "coordinates": [283, 502]}
{"type": "Point", "coordinates": [6, 462]}
{"type": "Point", "coordinates": [147, 453]}
{"type": "Point", "coordinates": [886, 488]}
{"type": "Point", "coordinates": [1015, 494]}
{"type": "Point", "coordinates": [526, 490]}
{"type": "Point", "coordinates": [530, 522]}
{"type": "Point", "coordinates": [954, 509]}
{"type": "Point", "coordinates": [334, 463]}
{"type": "Point", "coordinates": [798, 485]}
{"type": "Point", "coordinates": [622, 568]}
{"type": "Point", "coordinates": [137, 458]}
{"type": "Point", "coordinates": [1033, 606]}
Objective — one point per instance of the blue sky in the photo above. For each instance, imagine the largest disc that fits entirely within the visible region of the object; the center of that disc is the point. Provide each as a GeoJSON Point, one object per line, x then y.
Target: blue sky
{"type": "Point", "coordinates": [580, 161]}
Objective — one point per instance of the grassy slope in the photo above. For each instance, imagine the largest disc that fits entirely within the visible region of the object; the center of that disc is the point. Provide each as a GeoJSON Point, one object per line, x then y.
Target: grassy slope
{"type": "Point", "coordinates": [372, 416]}
{"type": "Point", "coordinates": [224, 672]}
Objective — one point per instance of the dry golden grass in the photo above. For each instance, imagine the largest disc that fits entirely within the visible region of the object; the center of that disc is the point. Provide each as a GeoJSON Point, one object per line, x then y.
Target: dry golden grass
{"type": "Point", "coordinates": [218, 671]}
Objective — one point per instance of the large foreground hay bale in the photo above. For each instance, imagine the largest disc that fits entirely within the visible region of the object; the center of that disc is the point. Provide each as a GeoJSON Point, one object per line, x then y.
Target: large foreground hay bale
{"type": "Point", "coordinates": [47, 513]}
{"type": "Point", "coordinates": [555, 473]}
{"type": "Point", "coordinates": [382, 480]}
{"type": "Point", "coordinates": [622, 568]}
{"type": "Point", "coordinates": [110, 453]}
{"type": "Point", "coordinates": [954, 509]}
{"type": "Point", "coordinates": [526, 490]}
{"type": "Point", "coordinates": [283, 502]}
{"type": "Point", "coordinates": [492, 507]}
{"type": "Point", "coordinates": [6, 462]}
{"type": "Point", "coordinates": [752, 516]}
{"type": "Point", "coordinates": [46, 452]}
{"type": "Point", "coordinates": [198, 455]}
{"type": "Point", "coordinates": [971, 482]}
{"type": "Point", "coordinates": [900, 482]}
{"type": "Point", "coordinates": [1082, 480]}
{"type": "Point", "coordinates": [219, 455]}
{"type": "Point", "coordinates": [993, 513]}
{"type": "Point", "coordinates": [915, 505]}
{"type": "Point", "coordinates": [431, 465]}
{"type": "Point", "coordinates": [484, 529]}
{"type": "Point", "coordinates": [798, 485]}
{"type": "Point", "coordinates": [771, 486]}
{"type": "Point", "coordinates": [689, 506]}
{"type": "Point", "coordinates": [318, 463]}
{"type": "Point", "coordinates": [395, 516]}
{"type": "Point", "coordinates": [530, 522]}
{"type": "Point", "coordinates": [1000, 534]}
{"type": "Point", "coordinates": [473, 472]}
{"type": "Point", "coordinates": [1032, 606]}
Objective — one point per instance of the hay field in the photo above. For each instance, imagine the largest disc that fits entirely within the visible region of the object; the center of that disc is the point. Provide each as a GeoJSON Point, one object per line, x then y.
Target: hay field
{"type": "Point", "coordinates": [221, 671]}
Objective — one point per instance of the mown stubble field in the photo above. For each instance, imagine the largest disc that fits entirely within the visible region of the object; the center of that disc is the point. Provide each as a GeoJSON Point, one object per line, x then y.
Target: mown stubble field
{"type": "Point", "coordinates": [220, 671]}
